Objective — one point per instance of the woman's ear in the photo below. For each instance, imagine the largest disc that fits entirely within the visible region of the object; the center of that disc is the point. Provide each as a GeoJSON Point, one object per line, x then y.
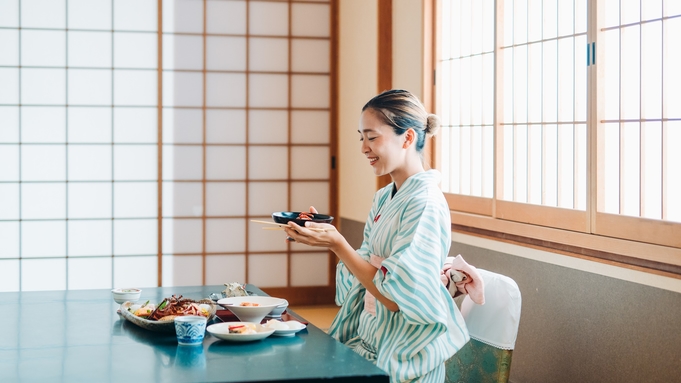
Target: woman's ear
{"type": "Point", "coordinates": [409, 137]}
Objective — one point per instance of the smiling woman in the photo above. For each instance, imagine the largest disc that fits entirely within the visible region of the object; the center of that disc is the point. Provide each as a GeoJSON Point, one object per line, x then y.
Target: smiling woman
{"type": "Point", "coordinates": [393, 303]}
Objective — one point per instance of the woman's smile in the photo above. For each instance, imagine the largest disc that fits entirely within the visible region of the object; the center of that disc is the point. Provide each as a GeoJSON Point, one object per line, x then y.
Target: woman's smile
{"type": "Point", "coordinates": [372, 160]}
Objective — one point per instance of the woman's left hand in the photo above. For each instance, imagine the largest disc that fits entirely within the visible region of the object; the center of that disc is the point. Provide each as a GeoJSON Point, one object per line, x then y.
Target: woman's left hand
{"type": "Point", "coordinates": [326, 234]}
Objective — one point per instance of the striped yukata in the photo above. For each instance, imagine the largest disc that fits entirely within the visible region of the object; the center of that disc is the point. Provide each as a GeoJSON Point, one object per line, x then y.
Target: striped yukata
{"type": "Point", "coordinates": [411, 233]}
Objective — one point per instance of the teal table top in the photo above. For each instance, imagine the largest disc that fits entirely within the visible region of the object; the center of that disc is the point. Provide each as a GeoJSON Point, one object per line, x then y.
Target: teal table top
{"type": "Point", "coordinates": [77, 336]}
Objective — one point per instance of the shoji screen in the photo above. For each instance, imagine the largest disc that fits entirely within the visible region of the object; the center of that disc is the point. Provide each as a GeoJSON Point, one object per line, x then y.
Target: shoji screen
{"type": "Point", "coordinates": [246, 116]}
{"type": "Point", "coordinates": [88, 157]}
{"type": "Point", "coordinates": [544, 117]}
{"type": "Point", "coordinates": [78, 99]}
{"type": "Point", "coordinates": [642, 118]}
{"type": "Point", "coordinates": [466, 100]}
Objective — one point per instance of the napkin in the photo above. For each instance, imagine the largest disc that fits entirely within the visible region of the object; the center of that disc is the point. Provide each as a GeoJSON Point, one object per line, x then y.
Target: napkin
{"type": "Point", "coordinates": [461, 278]}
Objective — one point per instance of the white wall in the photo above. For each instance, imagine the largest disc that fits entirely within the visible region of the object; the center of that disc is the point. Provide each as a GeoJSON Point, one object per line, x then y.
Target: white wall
{"type": "Point", "coordinates": [357, 81]}
{"type": "Point", "coordinates": [408, 46]}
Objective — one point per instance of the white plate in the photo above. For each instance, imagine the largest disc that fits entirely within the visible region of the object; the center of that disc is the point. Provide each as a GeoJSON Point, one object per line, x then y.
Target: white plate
{"type": "Point", "coordinates": [294, 327]}
{"type": "Point", "coordinates": [221, 331]}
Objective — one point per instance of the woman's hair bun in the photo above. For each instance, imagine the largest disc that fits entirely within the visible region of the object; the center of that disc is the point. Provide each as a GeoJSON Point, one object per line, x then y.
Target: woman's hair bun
{"type": "Point", "coordinates": [432, 125]}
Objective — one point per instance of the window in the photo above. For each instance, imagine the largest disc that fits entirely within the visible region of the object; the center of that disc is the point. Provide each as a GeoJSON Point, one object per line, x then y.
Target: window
{"type": "Point", "coordinates": [563, 115]}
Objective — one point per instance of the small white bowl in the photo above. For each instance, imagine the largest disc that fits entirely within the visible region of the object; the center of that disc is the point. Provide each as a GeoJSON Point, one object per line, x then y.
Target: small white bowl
{"type": "Point", "coordinates": [126, 295]}
{"type": "Point", "coordinates": [276, 313]}
{"type": "Point", "coordinates": [288, 328]}
{"type": "Point", "coordinates": [253, 314]}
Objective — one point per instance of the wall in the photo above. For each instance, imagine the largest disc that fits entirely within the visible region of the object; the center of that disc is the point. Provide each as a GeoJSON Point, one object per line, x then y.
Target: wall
{"type": "Point", "coordinates": [585, 321]}
{"type": "Point", "coordinates": [408, 46]}
{"type": "Point", "coordinates": [357, 79]}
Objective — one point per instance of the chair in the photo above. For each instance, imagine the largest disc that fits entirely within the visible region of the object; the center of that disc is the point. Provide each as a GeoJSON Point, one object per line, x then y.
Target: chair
{"type": "Point", "coordinates": [493, 328]}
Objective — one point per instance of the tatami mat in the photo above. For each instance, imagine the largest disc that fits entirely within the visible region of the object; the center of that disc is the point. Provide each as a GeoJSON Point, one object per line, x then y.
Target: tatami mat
{"type": "Point", "coordinates": [320, 316]}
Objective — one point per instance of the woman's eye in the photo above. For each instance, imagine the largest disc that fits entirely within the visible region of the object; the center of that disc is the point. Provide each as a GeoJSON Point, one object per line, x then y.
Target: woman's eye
{"type": "Point", "coordinates": [372, 138]}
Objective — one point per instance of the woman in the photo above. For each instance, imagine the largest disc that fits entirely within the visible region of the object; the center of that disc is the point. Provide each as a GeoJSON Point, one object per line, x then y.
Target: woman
{"type": "Point", "coordinates": [395, 310]}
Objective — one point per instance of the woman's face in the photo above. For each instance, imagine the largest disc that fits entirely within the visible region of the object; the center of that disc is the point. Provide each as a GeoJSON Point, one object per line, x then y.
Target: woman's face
{"type": "Point", "coordinates": [383, 148]}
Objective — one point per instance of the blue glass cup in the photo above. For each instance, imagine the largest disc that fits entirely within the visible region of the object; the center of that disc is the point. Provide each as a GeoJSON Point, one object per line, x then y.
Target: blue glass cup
{"type": "Point", "coordinates": [190, 329]}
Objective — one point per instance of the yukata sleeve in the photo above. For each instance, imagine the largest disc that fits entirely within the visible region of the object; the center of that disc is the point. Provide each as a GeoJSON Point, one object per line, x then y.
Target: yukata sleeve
{"type": "Point", "coordinates": [345, 279]}
{"type": "Point", "coordinates": [411, 278]}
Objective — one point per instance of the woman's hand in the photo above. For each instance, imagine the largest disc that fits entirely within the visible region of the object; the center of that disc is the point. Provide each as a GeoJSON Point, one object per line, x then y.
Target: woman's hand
{"type": "Point", "coordinates": [320, 235]}
{"type": "Point", "coordinates": [326, 235]}
{"type": "Point", "coordinates": [314, 234]}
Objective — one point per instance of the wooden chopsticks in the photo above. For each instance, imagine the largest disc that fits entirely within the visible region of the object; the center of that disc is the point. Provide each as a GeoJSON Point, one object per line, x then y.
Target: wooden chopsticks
{"type": "Point", "coordinates": [281, 226]}
{"type": "Point", "coordinates": [269, 223]}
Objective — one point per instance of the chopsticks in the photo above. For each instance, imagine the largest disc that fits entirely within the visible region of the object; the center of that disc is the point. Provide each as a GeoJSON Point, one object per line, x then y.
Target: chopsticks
{"type": "Point", "coordinates": [281, 226]}
{"type": "Point", "coordinates": [308, 228]}
{"type": "Point", "coordinates": [269, 223]}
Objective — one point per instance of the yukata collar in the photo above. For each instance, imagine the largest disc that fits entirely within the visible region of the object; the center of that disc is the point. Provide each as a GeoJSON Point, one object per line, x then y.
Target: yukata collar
{"type": "Point", "coordinates": [426, 176]}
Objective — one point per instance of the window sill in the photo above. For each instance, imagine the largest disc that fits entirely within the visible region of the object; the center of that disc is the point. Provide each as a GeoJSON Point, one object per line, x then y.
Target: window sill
{"type": "Point", "coordinates": [662, 260]}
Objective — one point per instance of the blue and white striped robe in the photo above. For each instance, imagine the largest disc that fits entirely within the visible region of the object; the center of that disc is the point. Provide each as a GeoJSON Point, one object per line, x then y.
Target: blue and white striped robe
{"type": "Point", "coordinates": [413, 235]}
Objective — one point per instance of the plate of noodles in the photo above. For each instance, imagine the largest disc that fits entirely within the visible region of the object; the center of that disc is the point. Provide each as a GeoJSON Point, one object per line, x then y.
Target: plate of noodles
{"type": "Point", "coordinates": [161, 317]}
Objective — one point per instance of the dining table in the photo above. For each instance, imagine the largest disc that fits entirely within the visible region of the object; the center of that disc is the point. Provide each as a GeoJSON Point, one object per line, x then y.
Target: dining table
{"type": "Point", "coordinates": [78, 336]}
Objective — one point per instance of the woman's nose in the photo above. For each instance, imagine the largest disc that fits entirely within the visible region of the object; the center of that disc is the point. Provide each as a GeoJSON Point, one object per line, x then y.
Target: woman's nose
{"type": "Point", "coordinates": [365, 147]}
